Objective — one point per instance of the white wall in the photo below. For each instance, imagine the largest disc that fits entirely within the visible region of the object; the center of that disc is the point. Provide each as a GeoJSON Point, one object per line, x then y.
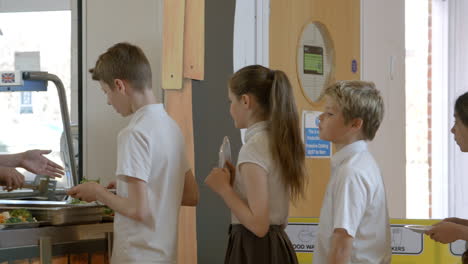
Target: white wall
{"type": "Point", "coordinates": [383, 57]}
{"type": "Point", "coordinates": [251, 35]}
{"type": "Point", "coordinates": [108, 22]}
{"type": "Point", "coordinates": [33, 6]}
{"type": "Point", "coordinates": [458, 85]}
{"type": "Point", "coordinates": [105, 26]}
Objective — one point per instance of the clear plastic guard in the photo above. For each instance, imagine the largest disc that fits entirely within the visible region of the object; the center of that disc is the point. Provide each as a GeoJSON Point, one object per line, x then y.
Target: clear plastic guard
{"type": "Point", "coordinates": [224, 153]}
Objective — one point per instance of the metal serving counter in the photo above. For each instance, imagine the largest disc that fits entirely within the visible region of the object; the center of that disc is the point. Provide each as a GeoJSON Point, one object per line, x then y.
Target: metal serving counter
{"type": "Point", "coordinates": [61, 229]}
{"type": "Point", "coordinates": [49, 241]}
{"type": "Point", "coordinates": [57, 213]}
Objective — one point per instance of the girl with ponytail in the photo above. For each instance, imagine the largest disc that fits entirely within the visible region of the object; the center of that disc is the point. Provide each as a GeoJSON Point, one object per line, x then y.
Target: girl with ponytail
{"type": "Point", "coordinates": [270, 170]}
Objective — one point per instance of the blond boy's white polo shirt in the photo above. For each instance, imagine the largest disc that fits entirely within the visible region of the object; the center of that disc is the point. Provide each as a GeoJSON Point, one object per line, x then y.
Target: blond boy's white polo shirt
{"type": "Point", "coordinates": [151, 148]}
{"type": "Point", "coordinates": [355, 200]}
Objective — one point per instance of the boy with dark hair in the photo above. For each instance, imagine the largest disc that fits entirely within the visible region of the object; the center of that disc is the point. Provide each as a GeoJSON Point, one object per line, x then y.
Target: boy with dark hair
{"type": "Point", "coordinates": [153, 175]}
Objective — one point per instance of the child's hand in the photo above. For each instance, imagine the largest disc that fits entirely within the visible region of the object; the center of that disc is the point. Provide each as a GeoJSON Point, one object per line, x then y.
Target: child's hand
{"type": "Point", "coordinates": [232, 171]}
{"type": "Point", "coordinates": [86, 191]}
{"type": "Point", "coordinates": [445, 232]}
{"type": "Point", "coordinates": [219, 180]}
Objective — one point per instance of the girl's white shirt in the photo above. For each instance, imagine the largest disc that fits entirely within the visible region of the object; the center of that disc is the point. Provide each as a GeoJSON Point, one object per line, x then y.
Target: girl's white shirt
{"type": "Point", "coordinates": [256, 150]}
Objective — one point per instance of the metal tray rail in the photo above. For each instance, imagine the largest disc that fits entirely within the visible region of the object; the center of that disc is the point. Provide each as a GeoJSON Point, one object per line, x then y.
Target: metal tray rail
{"type": "Point", "coordinates": [59, 213]}
{"type": "Point", "coordinates": [21, 225]}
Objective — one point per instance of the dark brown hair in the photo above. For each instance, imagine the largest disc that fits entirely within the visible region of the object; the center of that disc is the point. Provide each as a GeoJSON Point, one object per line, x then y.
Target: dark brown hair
{"type": "Point", "coordinates": [461, 108]}
{"type": "Point", "coordinates": [273, 92]}
{"type": "Point", "coordinates": [126, 62]}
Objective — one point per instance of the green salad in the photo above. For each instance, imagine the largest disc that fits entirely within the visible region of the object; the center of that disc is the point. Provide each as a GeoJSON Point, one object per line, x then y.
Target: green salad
{"type": "Point", "coordinates": [16, 216]}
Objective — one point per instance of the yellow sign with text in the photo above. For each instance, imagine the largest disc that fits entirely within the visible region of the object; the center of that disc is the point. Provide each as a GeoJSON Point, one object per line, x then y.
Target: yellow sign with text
{"type": "Point", "coordinates": [408, 247]}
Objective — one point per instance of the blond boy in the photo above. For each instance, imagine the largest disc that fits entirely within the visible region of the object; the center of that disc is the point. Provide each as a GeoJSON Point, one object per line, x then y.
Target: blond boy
{"type": "Point", "coordinates": [153, 175]}
{"type": "Point", "coordinates": [354, 225]}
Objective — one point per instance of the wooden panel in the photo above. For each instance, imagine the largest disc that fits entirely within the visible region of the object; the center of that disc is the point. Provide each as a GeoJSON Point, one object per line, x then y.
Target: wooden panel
{"type": "Point", "coordinates": [179, 107]}
{"type": "Point", "coordinates": [79, 258]}
{"type": "Point", "coordinates": [173, 44]}
{"type": "Point", "coordinates": [342, 19]}
{"type": "Point", "coordinates": [23, 261]}
{"type": "Point", "coordinates": [64, 260]}
{"type": "Point", "coordinates": [99, 258]}
{"type": "Point", "coordinates": [96, 258]}
{"type": "Point", "coordinates": [194, 39]}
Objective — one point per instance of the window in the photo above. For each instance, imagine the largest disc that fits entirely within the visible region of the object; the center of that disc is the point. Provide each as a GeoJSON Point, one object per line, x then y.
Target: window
{"type": "Point", "coordinates": [417, 108]}
{"type": "Point", "coordinates": [38, 37]}
{"type": "Point", "coordinates": [436, 67]}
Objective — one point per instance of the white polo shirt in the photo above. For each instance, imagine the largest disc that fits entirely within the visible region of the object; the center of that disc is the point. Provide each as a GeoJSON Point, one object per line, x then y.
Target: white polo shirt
{"type": "Point", "coordinates": [355, 201]}
{"type": "Point", "coordinates": [150, 148]}
{"type": "Point", "coordinates": [256, 150]}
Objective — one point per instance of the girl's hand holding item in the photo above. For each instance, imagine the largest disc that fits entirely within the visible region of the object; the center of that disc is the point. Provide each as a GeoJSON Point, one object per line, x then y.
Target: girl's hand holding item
{"type": "Point", "coordinates": [232, 171]}
{"type": "Point", "coordinates": [457, 220]}
{"type": "Point", "coordinates": [219, 180]}
{"type": "Point", "coordinates": [445, 232]}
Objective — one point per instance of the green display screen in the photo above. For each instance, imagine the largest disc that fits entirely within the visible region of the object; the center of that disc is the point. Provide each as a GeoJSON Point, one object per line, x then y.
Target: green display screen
{"type": "Point", "coordinates": [313, 60]}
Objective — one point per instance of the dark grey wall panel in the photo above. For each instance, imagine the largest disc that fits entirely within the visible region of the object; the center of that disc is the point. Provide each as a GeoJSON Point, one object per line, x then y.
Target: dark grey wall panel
{"type": "Point", "coordinates": [211, 122]}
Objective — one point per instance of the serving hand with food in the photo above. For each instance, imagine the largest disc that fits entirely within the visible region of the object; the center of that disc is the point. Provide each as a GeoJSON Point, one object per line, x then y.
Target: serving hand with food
{"type": "Point", "coordinates": [33, 161]}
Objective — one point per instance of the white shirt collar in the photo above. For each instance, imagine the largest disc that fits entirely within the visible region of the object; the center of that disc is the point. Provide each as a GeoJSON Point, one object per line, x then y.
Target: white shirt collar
{"type": "Point", "coordinates": [255, 128]}
{"type": "Point", "coordinates": [347, 151]}
{"type": "Point", "coordinates": [141, 110]}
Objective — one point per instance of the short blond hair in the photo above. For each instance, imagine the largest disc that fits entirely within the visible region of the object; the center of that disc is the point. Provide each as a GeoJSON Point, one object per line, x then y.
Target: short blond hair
{"type": "Point", "coordinates": [359, 99]}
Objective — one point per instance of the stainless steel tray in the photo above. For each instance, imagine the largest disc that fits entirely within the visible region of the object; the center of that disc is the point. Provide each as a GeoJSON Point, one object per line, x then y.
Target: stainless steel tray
{"type": "Point", "coordinates": [107, 218]}
{"type": "Point", "coordinates": [21, 203]}
{"type": "Point", "coordinates": [58, 213]}
{"type": "Point", "coordinates": [21, 225]}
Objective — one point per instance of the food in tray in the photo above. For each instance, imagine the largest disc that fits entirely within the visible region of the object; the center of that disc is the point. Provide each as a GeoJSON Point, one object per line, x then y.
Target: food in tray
{"type": "Point", "coordinates": [16, 216]}
{"type": "Point", "coordinates": [86, 180]}
{"type": "Point", "coordinates": [108, 212]}
{"type": "Point", "coordinates": [77, 201]}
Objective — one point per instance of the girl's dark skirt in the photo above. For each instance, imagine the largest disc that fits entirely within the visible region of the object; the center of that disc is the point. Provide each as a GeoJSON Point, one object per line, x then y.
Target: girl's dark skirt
{"type": "Point", "coordinates": [246, 248]}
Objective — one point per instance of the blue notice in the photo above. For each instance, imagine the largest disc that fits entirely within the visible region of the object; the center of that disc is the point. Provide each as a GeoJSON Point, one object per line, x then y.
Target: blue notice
{"type": "Point", "coordinates": [314, 146]}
